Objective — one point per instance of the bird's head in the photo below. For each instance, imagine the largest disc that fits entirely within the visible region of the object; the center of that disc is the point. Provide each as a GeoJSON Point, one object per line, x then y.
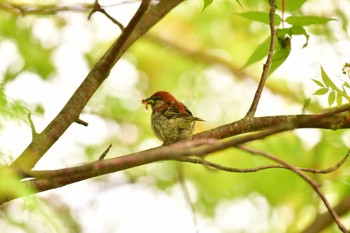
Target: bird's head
{"type": "Point", "coordinates": [158, 99]}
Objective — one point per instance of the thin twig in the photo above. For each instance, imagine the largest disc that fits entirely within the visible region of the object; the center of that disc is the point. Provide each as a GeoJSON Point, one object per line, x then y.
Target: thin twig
{"type": "Point", "coordinates": [32, 126]}
{"type": "Point", "coordinates": [267, 65]}
{"type": "Point", "coordinates": [312, 183]}
{"type": "Point", "coordinates": [24, 9]}
{"type": "Point", "coordinates": [97, 8]}
{"type": "Point", "coordinates": [323, 220]}
{"type": "Point", "coordinates": [259, 168]}
{"type": "Point", "coordinates": [103, 155]}
{"type": "Point", "coordinates": [81, 122]}
{"type": "Point", "coordinates": [119, 24]}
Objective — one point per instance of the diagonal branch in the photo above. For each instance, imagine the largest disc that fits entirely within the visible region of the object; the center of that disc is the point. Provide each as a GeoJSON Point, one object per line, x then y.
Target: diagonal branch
{"type": "Point", "coordinates": [323, 220]}
{"type": "Point", "coordinates": [70, 112]}
{"type": "Point", "coordinates": [311, 182]}
{"type": "Point", "coordinates": [266, 68]}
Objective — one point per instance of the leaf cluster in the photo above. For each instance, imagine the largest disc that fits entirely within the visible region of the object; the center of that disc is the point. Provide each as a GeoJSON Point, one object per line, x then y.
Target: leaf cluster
{"type": "Point", "coordinates": [297, 26]}
{"type": "Point", "coordinates": [336, 95]}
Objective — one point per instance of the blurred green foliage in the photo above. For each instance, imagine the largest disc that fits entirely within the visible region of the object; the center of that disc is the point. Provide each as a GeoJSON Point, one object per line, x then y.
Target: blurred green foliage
{"type": "Point", "coordinates": [36, 57]}
{"type": "Point", "coordinates": [11, 109]}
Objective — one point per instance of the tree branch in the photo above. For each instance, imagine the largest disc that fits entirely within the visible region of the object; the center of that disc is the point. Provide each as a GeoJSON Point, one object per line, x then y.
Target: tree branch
{"type": "Point", "coordinates": [27, 9]}
{"type": "Point", "coordinates": [245, 125]}
{"type": "Point", "coordinates": [324, 220]}
{"type": "Point", "coordinates": [32, 126]}
{"type": "Point", "coordinates": [81, 122]}
{"type": "Point", "coordinates": [70, 112]}
{"type": "Point", "coordinates": [45, 180]}
{"type": "Point", "coordinates": [267, 65]}
{"type": "Point", "coordinates": [103, 155]}
{"type": "Point", "coordinates": [97, 7]}
{"type": "Point", "coordinates": [312, 183]}
{"type": "Point", "coordinates": [217, 166]}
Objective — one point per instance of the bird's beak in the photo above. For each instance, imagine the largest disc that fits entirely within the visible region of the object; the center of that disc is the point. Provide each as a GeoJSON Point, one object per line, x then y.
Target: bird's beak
{"type": "Point", "coordinates": [145, 102]}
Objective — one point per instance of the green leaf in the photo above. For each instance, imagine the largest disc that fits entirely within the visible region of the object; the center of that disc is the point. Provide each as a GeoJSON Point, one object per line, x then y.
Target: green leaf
{"type": "Point", "coordinates": [206, 4]}
{"type": "Point", "coordinates": [331, 98]}
{"type": "Point", "coordinates": [339, 99]}
{"type": "Point", "coordinates": [346, 85]}
{"type": "Point", "coordinates": [11, 108]}
{"type": "Point", "coordinates": [239, 3]}
{"type": "Point", "coordinates": [262, 17]}
{"type": "Point", "coordinates": [36, 57]}
{"type": "Point", "coordinates": [39, 109]}
{"type": "Point", "coordinates": [319, 83]}
{"type": "Point", "coordinates": [259, 53]}
{"type": "Point", "coordinates": [307, 20]}
{"type": "Point", "coordinates": [297, 30]}
{"type": "Point", "coordinates": [321, 91]}
{"type": "Point", "coordinates": [290, 5]}
{"type": "Point", "coordinates": [328, 82]}
{"type": "Point", "coordinates": [282, 51]}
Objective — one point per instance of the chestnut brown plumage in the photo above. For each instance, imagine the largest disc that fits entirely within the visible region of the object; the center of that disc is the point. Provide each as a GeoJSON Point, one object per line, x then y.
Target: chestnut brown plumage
{"type": "Point", "coordinates": [171, 120]}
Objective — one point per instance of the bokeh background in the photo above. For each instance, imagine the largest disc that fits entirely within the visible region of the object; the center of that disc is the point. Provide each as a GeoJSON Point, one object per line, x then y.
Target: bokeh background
{"type": "Point", "coordinates": [197, 55]}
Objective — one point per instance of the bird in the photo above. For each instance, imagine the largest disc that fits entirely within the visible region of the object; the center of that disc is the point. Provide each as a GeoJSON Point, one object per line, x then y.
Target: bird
{"type": "Point", "coordinates": [171, 120]}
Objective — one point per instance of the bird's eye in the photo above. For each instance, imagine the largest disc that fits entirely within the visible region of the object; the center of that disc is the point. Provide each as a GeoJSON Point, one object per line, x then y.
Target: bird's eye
{"type": "Point", "coordinates": [151, 101]}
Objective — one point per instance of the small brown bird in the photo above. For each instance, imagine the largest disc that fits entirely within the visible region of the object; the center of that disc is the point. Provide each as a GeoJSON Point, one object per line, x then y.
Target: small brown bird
{"type": "Point", "coordinates": [171, 120]}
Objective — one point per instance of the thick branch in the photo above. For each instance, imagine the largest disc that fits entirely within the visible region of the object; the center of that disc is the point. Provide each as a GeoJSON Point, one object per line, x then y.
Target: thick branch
{"type": "Point", "coordinates": [45, 180]}
{"type": "Point", "coordinates": [70, 112]}
{"type": "Point", "coordinates": [336, 121]}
